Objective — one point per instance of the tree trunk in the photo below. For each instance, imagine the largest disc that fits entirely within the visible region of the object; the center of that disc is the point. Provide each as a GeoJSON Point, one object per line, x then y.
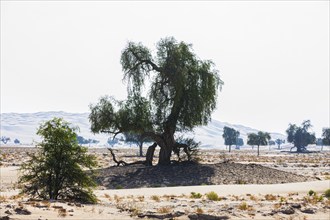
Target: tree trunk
{"type": "Point", "coordinates": [166, 149]}
{"type": "Point", "coordinates": [150, 154]}
{"type": "Point", "coordinates": [229, 148]}
{"type": "Point", "coordinates": [141, 149]}
{"type": "Point", "coordinates": [258, 150]}
{"type": "Point", "coordinates": [165, 155]}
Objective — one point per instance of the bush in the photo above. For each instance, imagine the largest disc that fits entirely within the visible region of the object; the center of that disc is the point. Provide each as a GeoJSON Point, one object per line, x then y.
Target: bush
{"type": "Point", "coordinates": [55, 171]}
{"type": "Point", "coordinates": [327, 193]}
{"type": "Point", "coordinates": [212, 196]}
{"type": "Point", "coordinates": [311, 193]}
{"type": "Point", "coordinates": [195, 195]}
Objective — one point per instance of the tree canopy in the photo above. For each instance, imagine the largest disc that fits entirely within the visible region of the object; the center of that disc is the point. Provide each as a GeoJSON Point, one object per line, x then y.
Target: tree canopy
{"type": "Point", "coordinates": [326, 136]}
{"type": "Point", "coordinates": [259, 139]}
{"type": "Point", "coordinates": [181, 94]}
{"type": "Point", "coordinates": [55, 171]}
{"type": "Point", "coordinates": [230, 135]}
{"type": "Point", "coordinates": [300, 137]}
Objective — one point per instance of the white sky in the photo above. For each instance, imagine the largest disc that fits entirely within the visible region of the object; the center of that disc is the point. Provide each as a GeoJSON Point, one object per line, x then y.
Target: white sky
{"type": "Point", "coordinates": [272, 55]}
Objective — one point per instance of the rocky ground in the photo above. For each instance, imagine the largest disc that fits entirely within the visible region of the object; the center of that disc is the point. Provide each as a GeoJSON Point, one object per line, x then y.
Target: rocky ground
{"type": "Point", "coordinates": [238, 170]}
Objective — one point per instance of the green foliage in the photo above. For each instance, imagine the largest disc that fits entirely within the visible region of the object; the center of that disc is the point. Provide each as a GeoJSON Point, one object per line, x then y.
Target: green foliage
{"type": "Point", "coordinates": [182, 94]}
{"type": "Point", "coordinates": [5, 139]}
{"type": "Point", "coordinates": [279, 142]}
{"type": "Point", "coordinates": [82, 140]}
{"type": "Point", "coordinates": [300, 137]}
{"type": "Point", "coordinates": [230, 135]}
{"type": "Point", "coordinates": [189, 146]}
{"type": "Point", "coordinates": [195, 195]}
{"type": "Point", "coordinates": [327, 193]}
{"type": "Point", "coordinates": [213, 196]}
{"type": "Point", "coordinates": [240, 142]}
{"type": "Point", "coordinates": [326, 136]}
{"type": "Point", "coordinates": [311, 193]}
{"type": "Point", "coordinates": [55, 171]}
{"type": "Point", "coordinates": [259, 139]}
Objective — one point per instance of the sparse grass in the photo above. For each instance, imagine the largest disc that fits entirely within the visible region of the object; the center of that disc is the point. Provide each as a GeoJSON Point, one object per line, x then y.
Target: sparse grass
{"type": "Point", "coordinates": [313, 199]}
{"type": "Point", "coordinates": [253, 198]}
{"type": "Point", "coordinates": [164, 209]}
{"type": "Point", "coordinates": [277, 205]}
{"type": "Point", "coordinates": [117, 198]}
{"type": "Point", "coordinates": [107, 196]}
{"type": "Point", "coordinates": [213, 196]}
{"type": "Point", "coordinates": [283, 199]}
{"type": "Point", "coordinates": [270, 197]}
{"type": "Point", "coordinates": [130, 207]}
{"type": "Point", "coordinates": [14, 197]}
{"type": "Point", "coordinates": [3, 199]}
{"type": "Point", "coordinates": [243, 206]}
{"type": "Point", "coordinates": [155, 198]}
{"type": "Point", "coordinates": [62, 212]}
{"type": "Point", "coordinates": [199, 211]}
{"type": "Point", "coordinates": [46, 203]}
{"type": "Point", "coordinates": [195, 195]}
{"type": "Point", "coordinates": [241, 182]}
{"type": "Point", "coordinates": [141, 198]}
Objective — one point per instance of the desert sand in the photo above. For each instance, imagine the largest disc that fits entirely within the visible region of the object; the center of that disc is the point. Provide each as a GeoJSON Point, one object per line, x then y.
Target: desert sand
{"type": "Point", "coordinates": [245, 200]}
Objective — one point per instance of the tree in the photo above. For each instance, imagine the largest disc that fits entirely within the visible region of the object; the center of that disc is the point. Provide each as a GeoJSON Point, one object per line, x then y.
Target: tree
{"type": "Point", "coordinates": [182, 94]}
{"type": "Point", "coordinates": [259, 139]}
{"type": "Point", "coordinates": [279, 142]}
{"type": "Point", "coordinates": [82, 140]}
{"type": "Point", "coordinates": [300, 137]}
{"type": "Point", "coordinates": [239, 143]}
{"type": "Point", "coordinates": [326, 136]}
{"type": "Point", "coordinates": [138, 139]}
{"type": "Point", "coordinates": [55, 171]}
{"type": "Point", "coordinates": [5, 139]}
{"type": "Point", "coordinates": [230, 135]}
{"type": "Point", "coordinates": [16, 141]}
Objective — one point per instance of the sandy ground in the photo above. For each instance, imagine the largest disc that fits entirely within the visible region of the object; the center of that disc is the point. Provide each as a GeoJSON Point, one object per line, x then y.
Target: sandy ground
{"type": "Point", "coordinates": [249, 201]}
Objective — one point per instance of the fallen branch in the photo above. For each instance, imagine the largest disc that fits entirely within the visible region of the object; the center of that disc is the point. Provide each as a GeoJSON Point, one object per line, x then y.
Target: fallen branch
{"type": "Point", "coordinates": [121, 162]}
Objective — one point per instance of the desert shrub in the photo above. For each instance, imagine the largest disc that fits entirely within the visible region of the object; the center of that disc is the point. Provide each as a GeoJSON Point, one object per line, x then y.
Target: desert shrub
{"type": "Point", "coordinates": [55, 170]}
{"type": "Point", "coordinates": [199, 211]}
{"type": "Point", "coordinates": [155, 198]}
{"type": "Point", "coordinates": [243, 206]}
{"type": "Point", "coordinates": [327, 193]}
{"type": "Point", "coordinates": [212, 196]}
{"type": "Point", "coordinates": [188, 146]}
{"type": "Point", "coordinates": [311, 193]}
{"type": "Point", "coordinates": [270, 197]}
{"type": "Point", "coordinates": [195, 195]}
{"type": "Point", "coordinates": [165, 209]}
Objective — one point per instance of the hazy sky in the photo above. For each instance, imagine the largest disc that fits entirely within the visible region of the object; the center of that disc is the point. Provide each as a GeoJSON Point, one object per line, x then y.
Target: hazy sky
{"type": "Point", "coordinates": [272, 55]}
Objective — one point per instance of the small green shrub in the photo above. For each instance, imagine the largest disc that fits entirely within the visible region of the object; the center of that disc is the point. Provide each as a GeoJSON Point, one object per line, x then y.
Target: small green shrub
{"type": "Point", "coordinates": [195, 195]}
{"type": "Point", "coordinates": [243, 206]}
{"type": "Point", "coordinates": [327, 193]}
{"type": "Point", "coordinates": [212, 196]}
{"type": "Point", "coordinates": [311, 193]}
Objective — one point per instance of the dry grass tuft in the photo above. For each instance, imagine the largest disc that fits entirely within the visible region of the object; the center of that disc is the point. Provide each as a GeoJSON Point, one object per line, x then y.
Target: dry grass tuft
{"type": "Point", "coordinates": [62, 212]}
{"type": "Point", "coordinates": [165, 209]}
{"type": "Point", "coordinates": [199, 211]}
{"type": "Point", "coordinates": [155, 198]}
{"type": "Point", "coordinates": [270, 197]}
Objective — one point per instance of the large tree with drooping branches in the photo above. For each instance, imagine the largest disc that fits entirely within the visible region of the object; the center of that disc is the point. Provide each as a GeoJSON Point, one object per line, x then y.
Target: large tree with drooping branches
{"type": "Point", "coordinates": [181, 93]}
